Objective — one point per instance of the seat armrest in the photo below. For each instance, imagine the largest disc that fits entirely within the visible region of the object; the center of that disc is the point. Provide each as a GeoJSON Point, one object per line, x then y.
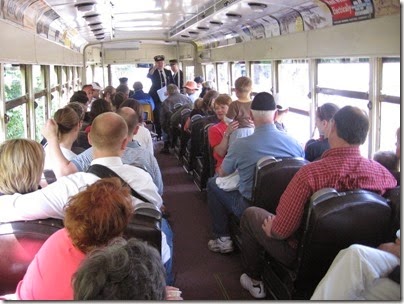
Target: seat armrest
{"type": "Point", "coordinates": [148, 209]}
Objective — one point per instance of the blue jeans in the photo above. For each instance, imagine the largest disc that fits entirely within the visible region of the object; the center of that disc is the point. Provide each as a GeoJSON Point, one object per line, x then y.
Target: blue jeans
{"type": "Point", "coordinates": [221, 205]}
{"type": "Point", "coordinates": [165, 227]}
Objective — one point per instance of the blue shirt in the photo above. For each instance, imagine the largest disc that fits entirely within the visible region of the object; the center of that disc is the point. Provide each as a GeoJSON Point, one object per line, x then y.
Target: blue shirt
{"type": "Point", "coordinates": [244, 153]}
{"type": "Point", "coordinates": [133, 154]}
{"type": "Point", "coordinates": [143, 98]}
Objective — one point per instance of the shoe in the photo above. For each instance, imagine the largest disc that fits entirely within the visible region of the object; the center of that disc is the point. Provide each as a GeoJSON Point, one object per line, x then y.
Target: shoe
{"type": "Point", "coordinates": [222, 245]}
{"type": "Point", "coordinates": [165, 150]}
{"type": "Point", "coordinates": [256, 290]}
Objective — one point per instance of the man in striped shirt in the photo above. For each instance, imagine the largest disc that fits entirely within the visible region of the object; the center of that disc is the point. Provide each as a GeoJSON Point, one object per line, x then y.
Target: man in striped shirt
{"type": "Point", "coordinates": [342, 167]}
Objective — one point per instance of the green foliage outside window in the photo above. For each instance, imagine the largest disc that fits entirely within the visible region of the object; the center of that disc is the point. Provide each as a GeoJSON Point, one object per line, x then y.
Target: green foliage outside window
{"type": "Point", "coordinates": [15, 126]}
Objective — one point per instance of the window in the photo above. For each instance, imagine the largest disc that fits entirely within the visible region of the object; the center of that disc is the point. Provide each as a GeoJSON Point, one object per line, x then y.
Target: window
{"type": "Point", "coordinates": [261, 77]}
{"type": "Point", "coordinates": [56, 102]}
{"type": "Point", "coordinates": [344, 73]}
{"type": "Point", "coordinates": [223, 78]}
{"type": "Point", "coordinates": [98, 76]}
{"type": "Point", "coordinates": [189, 72]}
{"type": "Point", "coordinates": [348, 79]}
{"type": "Point", "coordinates": [39, 107]}
{"type": "Point", "coordinates": [293, 90]}
{"type": "Point", "coordinates": [210, 73]}
{"type": "Point", "coordinates": [14, 86]}
{"type": "Point", "coordinates": [133, 73]}
{"type": "Point", "coordinates": [390, 111]}
{"type": "Point", "coordinates": [39, 117]}
{"type": "Point", "coordinates": [237, 70]}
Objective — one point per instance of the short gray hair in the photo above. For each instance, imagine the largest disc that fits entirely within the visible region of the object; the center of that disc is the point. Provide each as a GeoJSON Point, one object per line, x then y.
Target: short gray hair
{"type": "Point", "coordinates": [124, 270]}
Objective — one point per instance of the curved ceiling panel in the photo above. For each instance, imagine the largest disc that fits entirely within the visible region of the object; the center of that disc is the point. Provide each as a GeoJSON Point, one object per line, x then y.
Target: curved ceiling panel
{"type": "Point", "coordinates": [209, 23]}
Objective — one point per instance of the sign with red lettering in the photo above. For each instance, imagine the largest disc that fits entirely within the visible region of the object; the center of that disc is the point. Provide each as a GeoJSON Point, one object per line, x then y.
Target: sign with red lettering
{"type": "Point", "coordinates": [344, 11]}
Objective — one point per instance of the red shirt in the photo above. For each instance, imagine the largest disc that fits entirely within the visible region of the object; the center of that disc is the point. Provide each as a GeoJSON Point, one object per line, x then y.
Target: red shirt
{"type": "Point", "coordinates": [340, 168]}
{"type": "Point", "coordinates": [216, 134]}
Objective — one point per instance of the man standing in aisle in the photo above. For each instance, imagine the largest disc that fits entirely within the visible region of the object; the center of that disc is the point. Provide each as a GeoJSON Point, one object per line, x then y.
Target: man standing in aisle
{"type": "Point", "coordinates": [160, 77]}
{"type": "Point", "coordinates": [178, 76]}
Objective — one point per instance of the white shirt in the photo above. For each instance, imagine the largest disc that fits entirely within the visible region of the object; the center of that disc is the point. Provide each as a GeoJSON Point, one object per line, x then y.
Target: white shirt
{"type": "Point", "coordinates": [144, 138]}
{"type": "Point", "coordinates": [51, 200]}
{"type": "Point", "coordinates": [194, 96]}
{"type": "Point", "coordinates": [49, 164]}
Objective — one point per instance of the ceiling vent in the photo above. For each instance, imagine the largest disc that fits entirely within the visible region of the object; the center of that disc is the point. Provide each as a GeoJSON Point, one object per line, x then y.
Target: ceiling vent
{"type": "Point", "coordinates": [85, 6]}
{"type": "Point", "coordinates": [257, 7]}
{"type": "Point", "coordinates": [203, 15]}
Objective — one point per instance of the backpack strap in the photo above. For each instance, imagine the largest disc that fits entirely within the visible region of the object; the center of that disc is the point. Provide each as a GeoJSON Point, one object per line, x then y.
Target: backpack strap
{"type": "Point", "coordinates": [103, 171]}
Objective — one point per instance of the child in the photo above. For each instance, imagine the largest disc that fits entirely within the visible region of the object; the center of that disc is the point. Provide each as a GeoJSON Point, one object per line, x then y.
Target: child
{"type": "Point", "coordinates": [240, 109]}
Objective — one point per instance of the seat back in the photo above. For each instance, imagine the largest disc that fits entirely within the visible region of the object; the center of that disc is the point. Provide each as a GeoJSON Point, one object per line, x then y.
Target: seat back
{"type": "Point", "coordinates": [333, 221]}
{"type": "Point", "coordinates": [147, 109]}
{"type": "Point", "coordinates": [19, 242]}
{"type": "Point", "coordinates": [394, 198]}
{"type": "Point", "coordinates": [202, 169]}
{"type": "Point", "coordinates": [196, 139]}
{"type": "Point", "coordinates": [271, 179]}
{"type": "Point", "coordinates": [145, 224]}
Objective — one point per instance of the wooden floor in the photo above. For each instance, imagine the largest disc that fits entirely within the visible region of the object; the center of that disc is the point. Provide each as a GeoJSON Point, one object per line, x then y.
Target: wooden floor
{"type": "Point", "coordinates": [199, 273]}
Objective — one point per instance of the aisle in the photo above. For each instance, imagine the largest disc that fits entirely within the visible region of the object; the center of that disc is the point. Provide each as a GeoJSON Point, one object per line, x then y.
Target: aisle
{"type": "Point", "coordinates": [199, 273]}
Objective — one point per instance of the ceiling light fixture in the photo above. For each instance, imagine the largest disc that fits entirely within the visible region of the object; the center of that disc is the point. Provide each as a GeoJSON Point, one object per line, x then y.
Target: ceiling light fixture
{"type": "Point", "coordinates": [185, 36]}
{"type": "Point", "coordinates": [257, 7]}
{"type": "Point", "coordinates": [202, 28]}
{"type": "Point", "coordinates": [92, 17]}
{"type": "Point", "coordinates": [216, 23]}
{"type": "Point", "coordinates": [85, 6]}
{"type": "Point", "coordinates": [233, 16]}
{"type": "Point", "coordinates": [94, 24]}
{"type": "Point", "coordinates": [193, 33]}
{"type": "Point", "coordinates": [99, 34]}
{"type": "Point", "coordinates": [97, 30]}
{"type": "Point", "coordinates": [100, 38]}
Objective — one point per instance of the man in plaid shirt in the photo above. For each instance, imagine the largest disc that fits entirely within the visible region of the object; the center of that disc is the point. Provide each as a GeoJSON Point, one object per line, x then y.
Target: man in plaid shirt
{"type": "Point", "coordinates": [342, 167]}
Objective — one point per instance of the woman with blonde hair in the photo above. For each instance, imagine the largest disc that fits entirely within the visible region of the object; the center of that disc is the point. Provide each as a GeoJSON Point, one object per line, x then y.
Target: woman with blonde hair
{"type": "Point", "coordinates": [21, 166]}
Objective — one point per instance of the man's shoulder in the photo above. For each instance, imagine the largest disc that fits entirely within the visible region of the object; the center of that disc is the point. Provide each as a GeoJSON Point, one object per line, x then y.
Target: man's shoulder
{"type": "Point", "coordinates": [137, 152]}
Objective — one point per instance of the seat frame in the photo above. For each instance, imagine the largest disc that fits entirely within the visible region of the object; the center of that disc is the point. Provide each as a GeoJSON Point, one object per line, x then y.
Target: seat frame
{"type": "Point", "coordinates": [332, 221]}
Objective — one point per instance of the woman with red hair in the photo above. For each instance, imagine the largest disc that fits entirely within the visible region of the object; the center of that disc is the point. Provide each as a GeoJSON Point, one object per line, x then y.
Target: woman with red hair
{"type": "Point", "coordinates": [93, 217]}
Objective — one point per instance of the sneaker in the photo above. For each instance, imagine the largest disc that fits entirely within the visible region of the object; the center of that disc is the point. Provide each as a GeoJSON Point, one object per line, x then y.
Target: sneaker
{"type": "Point", "coordinates": [222, 245]}
{"type": "Point", "coordinates": [256, 290]}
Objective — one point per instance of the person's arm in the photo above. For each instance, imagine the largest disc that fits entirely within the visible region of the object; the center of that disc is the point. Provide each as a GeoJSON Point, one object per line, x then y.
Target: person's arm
{"type": "Point", "coordinates": [393, 248]}
{"type": "Point", "coordinates": [229, 164]}
{"type": "Point", "coordinates": [187, 125]}
{"type": "Point", "coordinates": [221, 172]}
{"type": "Point", "coordinates": [151, 71]}
{"type": "Point", "coordinates": [223, 146]}
{"type": "Point", "coordinates": [43, 203]}
{"type": "Point", "coordinates": [63, 166]}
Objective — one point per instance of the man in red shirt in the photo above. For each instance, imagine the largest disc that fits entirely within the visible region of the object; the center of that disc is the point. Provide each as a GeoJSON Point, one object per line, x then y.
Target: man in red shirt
{"type": "Point", "coordinates": [341, 167]}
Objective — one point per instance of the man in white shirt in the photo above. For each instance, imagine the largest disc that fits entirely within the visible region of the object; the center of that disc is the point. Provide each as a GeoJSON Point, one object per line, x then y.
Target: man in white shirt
{"type": "Point", "coordinates": [109, 137]}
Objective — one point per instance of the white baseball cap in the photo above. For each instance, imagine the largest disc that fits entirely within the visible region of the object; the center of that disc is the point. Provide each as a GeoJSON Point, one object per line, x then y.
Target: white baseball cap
{"type": "Point", "coordinates": [96, 86]}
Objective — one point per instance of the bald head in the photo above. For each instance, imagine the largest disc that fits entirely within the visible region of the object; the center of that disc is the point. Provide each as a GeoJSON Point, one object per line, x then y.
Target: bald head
{"type": "Point", "coordinates": [108, 131]}
{"type": "Point", "coordinates": [130, 117]}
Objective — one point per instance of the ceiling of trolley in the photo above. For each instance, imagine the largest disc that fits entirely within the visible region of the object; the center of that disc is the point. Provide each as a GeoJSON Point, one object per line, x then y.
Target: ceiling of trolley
{"type": "Point", "coordinates": [210, 23]}
{"type": "Point", "coordinates": [125, 19]}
